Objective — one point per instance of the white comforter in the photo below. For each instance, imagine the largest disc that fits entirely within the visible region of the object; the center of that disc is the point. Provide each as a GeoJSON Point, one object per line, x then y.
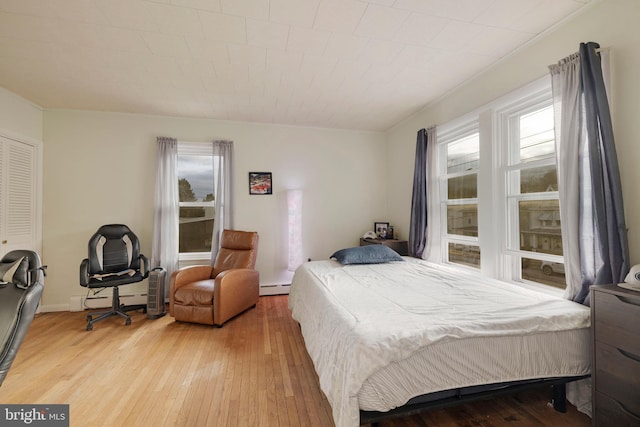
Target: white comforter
{"type": "Point", "coordinates": [356, 319]}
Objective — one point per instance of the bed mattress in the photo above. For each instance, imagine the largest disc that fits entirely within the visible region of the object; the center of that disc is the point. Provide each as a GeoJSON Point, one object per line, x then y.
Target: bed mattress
{"type": "Point", "coordinates": [382, 334]}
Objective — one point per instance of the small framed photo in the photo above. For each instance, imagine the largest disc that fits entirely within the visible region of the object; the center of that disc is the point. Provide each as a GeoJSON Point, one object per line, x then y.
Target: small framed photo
{"type": "Point", "coordinates": [381, 228]}
{"type": "Point", "coordinates": [260, 183]}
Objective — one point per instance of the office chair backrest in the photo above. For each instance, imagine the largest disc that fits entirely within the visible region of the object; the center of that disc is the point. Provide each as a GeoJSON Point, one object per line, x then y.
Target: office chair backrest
{"type": "Point", "coordinates": [238, 249]}
{"type": "Point", "coordinates": [18, 305]}
{"type": "Point", "coordinates": [113, 248]}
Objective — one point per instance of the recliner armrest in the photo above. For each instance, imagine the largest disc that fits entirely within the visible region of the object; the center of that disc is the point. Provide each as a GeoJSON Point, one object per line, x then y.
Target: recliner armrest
{"type": "Point", "coordinates": [189, 274]}
{"type": "Point", "coordinates": [234, 290]}
{"type": "Point", "coordinates": [226, 278]}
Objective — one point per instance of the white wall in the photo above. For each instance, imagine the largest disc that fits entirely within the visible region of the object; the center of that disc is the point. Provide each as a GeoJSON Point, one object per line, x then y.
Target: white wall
{"type": "Point", "coordinates": [611, 23]}
{"type": "Point", "coordinates": [19, 117]}
{"type": "Point", "coordinates": [100, 168]}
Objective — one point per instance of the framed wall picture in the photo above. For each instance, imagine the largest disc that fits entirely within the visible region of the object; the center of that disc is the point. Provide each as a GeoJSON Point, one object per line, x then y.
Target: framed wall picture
{"type": "Point", "coordinates": [260, 183]}
{"type": "Point", "coordinates": [380, 229]}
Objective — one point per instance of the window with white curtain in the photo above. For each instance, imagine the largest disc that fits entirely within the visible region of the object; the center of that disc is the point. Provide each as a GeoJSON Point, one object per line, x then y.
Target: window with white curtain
{"type": "Point", "coordinates": [195, 171]}
{"type": "Point", "coordinates": [499, 197]}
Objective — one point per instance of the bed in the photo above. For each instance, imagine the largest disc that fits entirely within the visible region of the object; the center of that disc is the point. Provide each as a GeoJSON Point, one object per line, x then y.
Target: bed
{"type": "Point", "coordinates": [386, 338]}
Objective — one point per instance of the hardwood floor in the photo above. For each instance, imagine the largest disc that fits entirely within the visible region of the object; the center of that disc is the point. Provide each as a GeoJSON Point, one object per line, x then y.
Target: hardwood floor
{"type": "Point", "coordinates": [255, 371]}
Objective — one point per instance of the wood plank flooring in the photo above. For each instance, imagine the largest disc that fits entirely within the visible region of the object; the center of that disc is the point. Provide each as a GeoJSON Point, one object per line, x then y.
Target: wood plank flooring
{"type": "Point", "coordinates": [255, 371]}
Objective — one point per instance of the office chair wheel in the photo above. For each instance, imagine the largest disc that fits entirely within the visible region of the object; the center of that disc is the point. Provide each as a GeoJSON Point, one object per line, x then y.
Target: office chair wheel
{"type": "Point", "coordinates": [127, 322]}
{"type": "Point", "coordinates": [89, 327]}
{"type": "Point", "coordinates": [89, 318]}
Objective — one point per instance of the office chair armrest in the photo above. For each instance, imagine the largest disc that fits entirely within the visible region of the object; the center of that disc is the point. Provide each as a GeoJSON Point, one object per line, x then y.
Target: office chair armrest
{"type": "Point", "coordinates": [144, 265]}
{"type": "Point", "coordinates": [234, 291]}
{"type": "Point", "coordinates": [84, 272]}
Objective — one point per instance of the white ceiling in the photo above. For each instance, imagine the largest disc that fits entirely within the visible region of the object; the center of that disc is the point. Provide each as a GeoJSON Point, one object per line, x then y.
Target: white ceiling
{"type": "Point", "coordinates": [353, 64]}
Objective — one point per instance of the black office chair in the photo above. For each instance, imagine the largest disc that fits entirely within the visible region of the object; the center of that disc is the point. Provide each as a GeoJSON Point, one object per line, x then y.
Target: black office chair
{"type": "Point", "coordinates": [22, 282]}
{"type": "Point", "coordinates": [114, 260]}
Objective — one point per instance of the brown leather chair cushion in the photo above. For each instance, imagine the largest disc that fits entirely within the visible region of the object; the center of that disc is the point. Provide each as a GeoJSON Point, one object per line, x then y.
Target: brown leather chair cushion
{"type": "Point", "coordinates": [241, 240]}
{"type": "Point", "coordinates": [237, 250]}
{"type": "Point", "coordinates": [190, 313]}
{"type": "Point", "coordinates": [198, 293]}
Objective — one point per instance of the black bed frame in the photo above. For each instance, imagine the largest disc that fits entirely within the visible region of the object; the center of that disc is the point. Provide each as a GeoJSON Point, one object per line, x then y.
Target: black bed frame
{"type": "Point", "coordinates": [446, 398]}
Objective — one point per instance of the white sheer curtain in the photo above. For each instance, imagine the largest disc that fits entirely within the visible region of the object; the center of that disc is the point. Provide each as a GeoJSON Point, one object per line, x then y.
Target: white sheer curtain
{"type": "Point", "coordinates": [166, 210]}
{"type": "Point", "coordinates": [570, 130]}
{"type": "Point", "coordinates": [570, 154]}
{"type": "Point", "coordinates": [222, 183]}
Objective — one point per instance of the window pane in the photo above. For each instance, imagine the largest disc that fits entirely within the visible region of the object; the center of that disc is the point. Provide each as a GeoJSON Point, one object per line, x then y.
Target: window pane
{"type": "Point", "coordinates": [549, 273]}
{"type": "Point", "coordinates": [462, 220]}
{"type": "Point", "coordinates": [195, 178]}
{"type": "Point", "coordinates": [537, 135]}
{"type": "Point", "coordinates": [463, 154]}
{"type": "Point", "coordinates": [195, 229]}
{"type": "Point", "coordinates": [540, 226]}
{"type": "Point", "coordinates": [195, 184]}
{"type": "Point", "coordinates": [463, 187]}
{"type": "Point", "coordinates": [464, 254]}
{"type": "Point", "coordinates": [540, 179]}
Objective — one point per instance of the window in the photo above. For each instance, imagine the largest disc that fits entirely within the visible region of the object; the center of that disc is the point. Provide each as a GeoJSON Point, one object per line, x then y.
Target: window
{"type": "Point", "coordinates": [499, 196]}
{"type": "Point", "coordinates": [462, 154]}
{"type": "Point", "coordinates": [196, 199]}
{"type": "Point", "coordinates": [534, 233]}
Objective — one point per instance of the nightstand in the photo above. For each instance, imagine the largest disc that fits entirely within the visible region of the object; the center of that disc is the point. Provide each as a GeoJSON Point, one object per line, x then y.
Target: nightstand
{"type": "Point", "coordinates": [615, 320]}
{"type": "Point", "coordinates": [400, 246]}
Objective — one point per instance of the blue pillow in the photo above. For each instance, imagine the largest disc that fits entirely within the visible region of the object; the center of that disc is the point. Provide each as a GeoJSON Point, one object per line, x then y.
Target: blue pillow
{"type": "Point", "coordinates": [368, 254]}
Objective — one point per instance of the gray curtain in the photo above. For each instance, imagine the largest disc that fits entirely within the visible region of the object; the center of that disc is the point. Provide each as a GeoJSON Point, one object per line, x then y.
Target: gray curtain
{"type": "Point", "coordinates": [591, 207]}
{"type": "Point", "coordinates": [418, 224]}
{"type": "Point", "coordinates": [166, 210]}
{"type": "Point", "coordinates": [609, 223]}
{"type": "Point", "coordinates": [222, 168]}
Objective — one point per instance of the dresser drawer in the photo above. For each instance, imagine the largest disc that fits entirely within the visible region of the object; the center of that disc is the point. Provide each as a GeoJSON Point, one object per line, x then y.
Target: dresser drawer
{"type": "Point", "coordinates": [400, 246]}
{"type": "Point", "coordinates": [616, 320]}
{"type": "Point", "coordinates": [609, 413]}
{"type": "Point", "coordinates": [618, 375]}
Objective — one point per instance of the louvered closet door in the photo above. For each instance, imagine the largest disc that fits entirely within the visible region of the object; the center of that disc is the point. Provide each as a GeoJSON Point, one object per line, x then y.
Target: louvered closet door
{"type": "Point", "coordinates": [17, 195]}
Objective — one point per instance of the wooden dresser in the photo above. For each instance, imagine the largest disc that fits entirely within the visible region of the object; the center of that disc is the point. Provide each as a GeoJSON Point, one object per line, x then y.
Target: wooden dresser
{"type": "Point", "coordinates": [400, 246]}
{"type": "Point", "coordinates": [615, 319]}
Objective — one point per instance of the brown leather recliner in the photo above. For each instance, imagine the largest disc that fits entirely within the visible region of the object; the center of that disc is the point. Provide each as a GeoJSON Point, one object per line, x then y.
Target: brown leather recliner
{"type": "Point", "coordinates": [214, 294]}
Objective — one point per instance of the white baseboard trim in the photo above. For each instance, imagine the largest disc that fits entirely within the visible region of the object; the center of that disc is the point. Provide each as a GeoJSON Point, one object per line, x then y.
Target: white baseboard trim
{"type": "Point", "coordinates": [282, 289]}
{"type": "Point", "coordinates": [51, 308]}
{"type": "Point", "coordinates": [80, 303]}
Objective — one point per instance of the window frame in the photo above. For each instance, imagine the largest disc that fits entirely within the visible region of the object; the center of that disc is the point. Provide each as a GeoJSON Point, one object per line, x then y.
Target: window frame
{"type": "Point", "coordinates": [445, 138]}
{"type": "Point", "coordinates": [187, 148]}
{"type": "Point", "coordinates": [525, 101]}
{"type": "Point", "coordinates": [500, 258]}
